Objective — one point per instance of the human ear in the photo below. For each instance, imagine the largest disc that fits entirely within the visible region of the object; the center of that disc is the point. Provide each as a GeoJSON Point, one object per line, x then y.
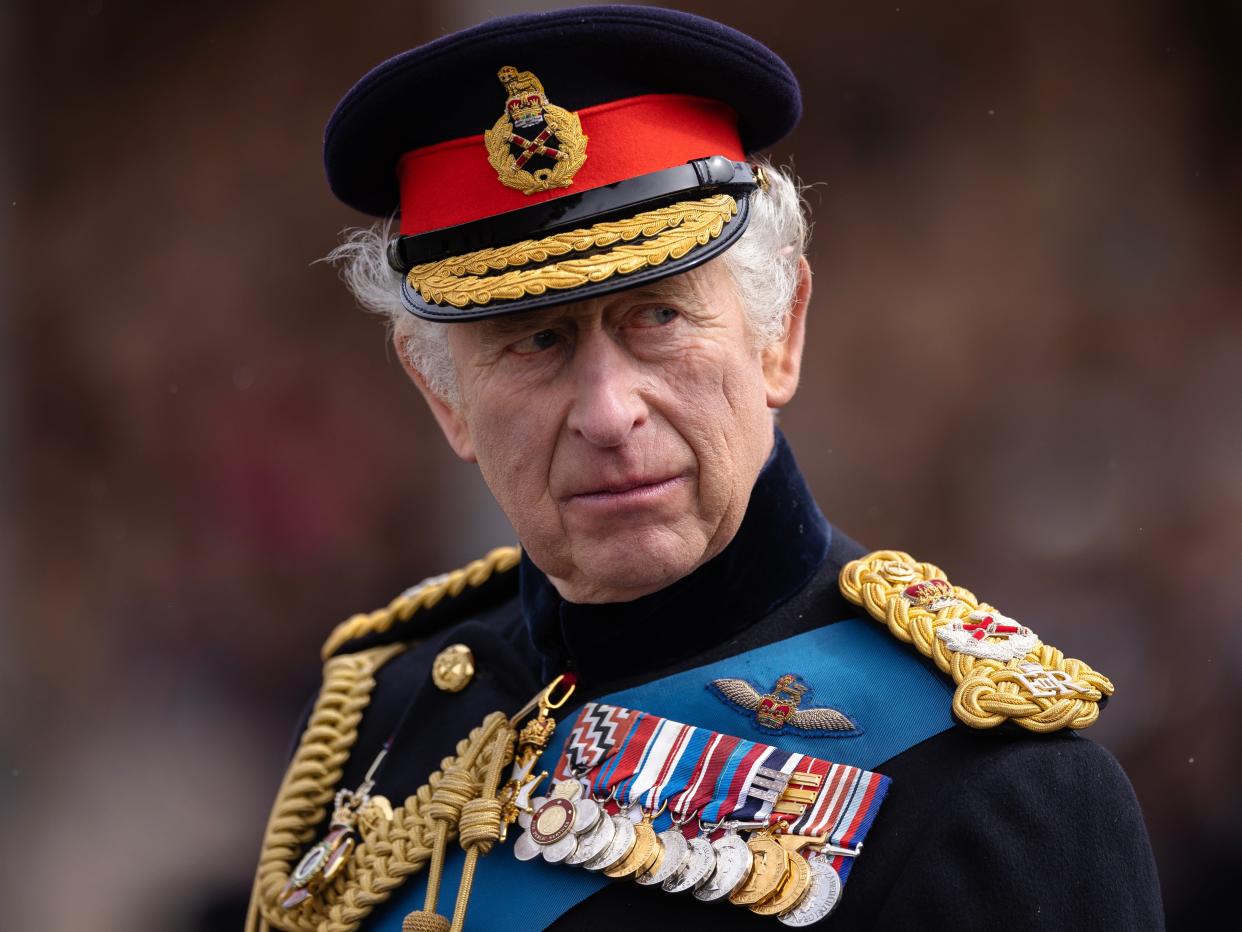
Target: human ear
{"type": "Point", "coordinates": [451, 417]}
{"type": "Point", "coordinates": [782, 361]}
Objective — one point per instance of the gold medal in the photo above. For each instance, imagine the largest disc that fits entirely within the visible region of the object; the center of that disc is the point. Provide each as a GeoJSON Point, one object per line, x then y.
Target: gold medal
{"type": "Point", "coordinates": [655, 859]}
{"type": "Point", "coordinates": [618, 849]}
{"type": "Point", "coordinates": [789, 893]}
{"type": "Point", "coordinates": [645, 850]}
{"type": "Point", "coordinates": [767, 873]}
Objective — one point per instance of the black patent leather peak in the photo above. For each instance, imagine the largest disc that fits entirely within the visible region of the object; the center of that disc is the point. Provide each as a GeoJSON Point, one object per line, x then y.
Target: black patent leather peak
{"type": "Point", "coordinates": [696, 179]}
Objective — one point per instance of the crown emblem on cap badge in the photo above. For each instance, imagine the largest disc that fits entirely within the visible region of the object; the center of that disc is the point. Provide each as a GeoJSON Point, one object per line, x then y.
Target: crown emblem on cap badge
{"type": "Point", "coordinates": [535, 145]}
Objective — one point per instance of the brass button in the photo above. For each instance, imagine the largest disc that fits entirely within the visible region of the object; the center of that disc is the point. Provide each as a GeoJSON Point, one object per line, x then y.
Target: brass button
{"type": "Point", "coordinates": [453, 668]}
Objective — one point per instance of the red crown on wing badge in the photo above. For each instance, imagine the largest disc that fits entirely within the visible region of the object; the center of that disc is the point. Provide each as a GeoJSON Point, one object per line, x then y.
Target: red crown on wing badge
{"type": "Point", "coordinates": [780, 708]}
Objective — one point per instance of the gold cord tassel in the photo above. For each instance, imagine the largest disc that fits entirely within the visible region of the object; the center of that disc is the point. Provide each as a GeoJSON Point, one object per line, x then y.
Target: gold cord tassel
{"type": "Point", "coordinates": [461, 796]}
{"type": "Point", "coordinates": [480, 821]}
{"type": "Point", "coordinates": [456, 801]}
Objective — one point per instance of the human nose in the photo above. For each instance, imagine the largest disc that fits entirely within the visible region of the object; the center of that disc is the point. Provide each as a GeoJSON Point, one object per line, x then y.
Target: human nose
{"type": "Point", "coordinates": [607, 404]}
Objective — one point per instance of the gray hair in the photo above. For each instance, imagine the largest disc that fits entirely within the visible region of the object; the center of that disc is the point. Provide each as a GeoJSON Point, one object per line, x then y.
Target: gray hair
{"type": "Point", "coordinates": [763, 264]}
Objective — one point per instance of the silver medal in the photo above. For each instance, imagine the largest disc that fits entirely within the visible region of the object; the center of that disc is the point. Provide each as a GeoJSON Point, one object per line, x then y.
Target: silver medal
{"type": "Point", "coordinates": [560, 850]}
{"type": "Point", "coordinates": [675, 850]}
{"type": "Point", "coordinates": [618, 848]}
{"type": "Point", "coordinates": [554, 824]}
{"type": "Point", "coordinates": [525, 849]}
{"type": "Point", "coordinates": [696, 867]}
{"type": "Point", "coordinates": [733, 863]}
{"type": "Point", "coordinates": [593, 842]}
{"type": "Point", "coordinates": [587, 815]}
{"type": "Point", "coordinates": [524, 815]}
{"type": "Point", "coordinates": [820, 897]}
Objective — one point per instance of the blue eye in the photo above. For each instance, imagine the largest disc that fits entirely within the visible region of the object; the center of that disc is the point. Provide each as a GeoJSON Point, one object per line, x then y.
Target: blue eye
{"type": "Point", "coordinates": [536, 343]}
{"type": "Point", "coordinates": [657, 316]}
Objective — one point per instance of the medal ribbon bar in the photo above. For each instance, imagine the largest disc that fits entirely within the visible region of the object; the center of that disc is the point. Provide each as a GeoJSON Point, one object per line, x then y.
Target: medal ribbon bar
{"type": "Point", "coordinates": [598, 732]}
{"type": "Point", "coordinates": [701, 783]}
{"type": "Point", "coordinates": [693, 780]}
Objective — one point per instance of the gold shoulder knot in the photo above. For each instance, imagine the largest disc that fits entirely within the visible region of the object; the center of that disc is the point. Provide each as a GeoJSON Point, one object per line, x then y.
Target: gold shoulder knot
{"type": "Point", "coordinates": [1002, 669]}
{"type": "Point", "coordinates": [425, 595]}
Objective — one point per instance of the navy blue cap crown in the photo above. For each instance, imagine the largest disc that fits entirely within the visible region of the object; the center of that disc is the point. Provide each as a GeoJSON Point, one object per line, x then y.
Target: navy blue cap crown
{"type": "Point", "coordinates": [447, 89]}
{"type": "Point", "coordinates": [551, 157]}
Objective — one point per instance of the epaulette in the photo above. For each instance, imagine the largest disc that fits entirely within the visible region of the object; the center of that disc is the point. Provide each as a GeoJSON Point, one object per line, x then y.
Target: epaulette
{"type": "Point", "coordinates": [437, 600]}
{"type": "Point", "coordinates": [1003, 671]}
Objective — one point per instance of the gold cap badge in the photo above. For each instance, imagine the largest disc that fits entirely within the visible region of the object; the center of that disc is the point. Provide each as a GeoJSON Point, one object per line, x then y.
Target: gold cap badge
{"type": "Point", "coordinates": [535, 145]}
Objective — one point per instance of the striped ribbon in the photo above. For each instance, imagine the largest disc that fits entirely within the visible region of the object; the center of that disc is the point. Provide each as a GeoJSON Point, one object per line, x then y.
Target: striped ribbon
{"type": "Point", "coordinates": [622, 765]}
{"type": "Point", "coordinates": [650, 765]}
{"type": "Point", "coordinates": [800, 824]}
{"type": "Point", "coordinates": [676, 767]}
{"type": "Point", "coordinates": [848, 801]}
{"type": "Point", "coordinates": [755, 809]}
{"type": "Point", "coordinates": [597, 733]}
{"type": "Point", "coordinates": [743, 806]}
{"type": "Point", "coordinates": [644, 758]}
{"type": "Point", "coordinates": [700, 786]}
{"type": "Point", "coordinates": [690, 757]}
{"type": "Point", "coordinates": [732, 778]}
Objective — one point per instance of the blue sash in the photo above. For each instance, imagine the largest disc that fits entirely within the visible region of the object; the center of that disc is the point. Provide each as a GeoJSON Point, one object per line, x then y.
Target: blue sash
{"type": "Point", "coordinates": [894, 697]}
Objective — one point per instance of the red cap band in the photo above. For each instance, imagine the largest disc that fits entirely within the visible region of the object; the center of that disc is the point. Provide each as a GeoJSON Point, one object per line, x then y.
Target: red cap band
{"type": "Point", "coordinates": [452, 182]}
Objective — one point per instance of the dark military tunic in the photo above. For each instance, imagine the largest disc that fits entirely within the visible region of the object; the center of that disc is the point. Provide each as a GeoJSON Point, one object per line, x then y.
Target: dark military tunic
{"type": "Point", "coordinates": [998, 829]}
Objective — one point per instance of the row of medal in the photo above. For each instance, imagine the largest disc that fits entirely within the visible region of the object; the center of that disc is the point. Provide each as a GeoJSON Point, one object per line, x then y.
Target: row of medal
{"type": "Point", "coordinates": [622, 768]}
{"type": "Point", "coordinates": [765, 873]}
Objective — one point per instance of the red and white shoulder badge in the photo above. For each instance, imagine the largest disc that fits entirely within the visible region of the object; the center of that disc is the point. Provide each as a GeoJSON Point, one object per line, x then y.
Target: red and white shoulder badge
{"type": "Point", "coordinates": [1002, 669]}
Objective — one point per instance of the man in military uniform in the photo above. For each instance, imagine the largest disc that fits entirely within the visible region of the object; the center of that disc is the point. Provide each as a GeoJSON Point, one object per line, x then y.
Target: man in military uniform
{"type": "Point", "coordinates": [602, 295]}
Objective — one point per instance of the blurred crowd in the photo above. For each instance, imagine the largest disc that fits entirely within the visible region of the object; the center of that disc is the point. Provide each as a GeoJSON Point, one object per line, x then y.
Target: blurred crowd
{"type": "Point", "coordinates": [1025, 365]}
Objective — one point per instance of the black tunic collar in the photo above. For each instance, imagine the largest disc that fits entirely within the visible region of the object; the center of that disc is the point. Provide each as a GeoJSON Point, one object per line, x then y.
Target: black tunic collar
{"type": "Point", "coordinates": [782, 541]}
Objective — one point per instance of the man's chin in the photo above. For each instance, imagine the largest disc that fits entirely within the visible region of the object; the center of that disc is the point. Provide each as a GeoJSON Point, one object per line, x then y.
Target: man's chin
{"type": "Point", "coordinates": [628, 565]}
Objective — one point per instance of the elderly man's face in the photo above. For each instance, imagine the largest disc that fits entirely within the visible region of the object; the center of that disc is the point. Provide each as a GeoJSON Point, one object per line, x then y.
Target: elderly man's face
{"type": "Point", "coordinates": [622, 435]}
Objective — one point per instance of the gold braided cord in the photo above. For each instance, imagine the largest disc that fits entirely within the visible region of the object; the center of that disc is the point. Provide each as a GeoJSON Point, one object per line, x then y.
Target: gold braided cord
{"type": "Point", "coordinates": [670, 233]}
{"type": "Point", "coordinates": [424, 595]}
{"type": "Point", "coordinates": [988, 691]}
{"type": "Point", "coordinates": [993, 693]}
{"type": "Point", "coordinates": [458, 788]}
{"type": "Point", "coordinates": [398, 849]}
{"type": "Point", "coordinates": [310, 781]}
{"type": "Point", "coordinates": [388, 851]}
{"type": "Point", "coordinates": [480, 821]}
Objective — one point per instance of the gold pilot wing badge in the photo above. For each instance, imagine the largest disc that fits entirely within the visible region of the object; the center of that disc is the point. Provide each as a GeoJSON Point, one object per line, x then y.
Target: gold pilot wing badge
{"type": "Point", "coordinates": [535, 145]}
{"type": "Point", "coordinates": [779, 710]}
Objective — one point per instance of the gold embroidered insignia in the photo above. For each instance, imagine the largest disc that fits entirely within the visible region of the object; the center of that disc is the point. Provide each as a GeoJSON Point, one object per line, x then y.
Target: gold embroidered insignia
{"type": "Point", "coordinates": [1002, 669]}
{"type": "Point", "coordinates": [774, 710]}
{"type": "Point", "coordinates": [648, 239]}
{"type": "Point", "coordinates": [535, 145]}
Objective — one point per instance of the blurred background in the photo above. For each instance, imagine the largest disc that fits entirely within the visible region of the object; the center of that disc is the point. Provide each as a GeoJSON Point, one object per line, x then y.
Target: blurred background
{"type": "Point", "coordinates": [1025, 364]}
